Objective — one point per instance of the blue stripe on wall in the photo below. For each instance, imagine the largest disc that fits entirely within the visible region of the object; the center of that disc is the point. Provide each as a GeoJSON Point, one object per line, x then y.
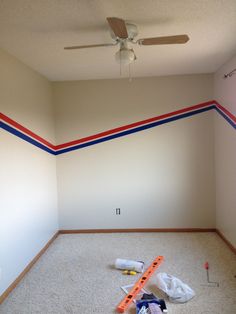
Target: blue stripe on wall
{"type": "Point", "coordinates": [141, 128]}
{"type": "Point", "coordinates": [25, 138]}
{"type": "Point", "coordinates": [113, 136]}
{"type": "Point", "coordinates": [225, 117]}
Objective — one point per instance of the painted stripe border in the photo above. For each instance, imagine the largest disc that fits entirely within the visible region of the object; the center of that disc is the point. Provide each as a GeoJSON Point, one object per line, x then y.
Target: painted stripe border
{"type": "Point", "coordinates": [20, 131]}
{"type": "Point", "coordinates": [134, 130]}
{"type": "Point", "coordinates": [28, 139]}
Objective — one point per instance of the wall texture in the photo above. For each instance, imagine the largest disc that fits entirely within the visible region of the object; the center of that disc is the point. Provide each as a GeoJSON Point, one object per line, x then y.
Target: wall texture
{"type": "Point", "coordinates": [225, 154]}
{"type": "Point", "coordinates": [161, 177]}
{"type": "Point", "coordinates": [28, 193]}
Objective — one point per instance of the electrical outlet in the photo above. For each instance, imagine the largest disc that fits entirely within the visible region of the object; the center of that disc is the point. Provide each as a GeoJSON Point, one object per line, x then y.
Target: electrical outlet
{"type": "Point", "coordinates": [117, 211]}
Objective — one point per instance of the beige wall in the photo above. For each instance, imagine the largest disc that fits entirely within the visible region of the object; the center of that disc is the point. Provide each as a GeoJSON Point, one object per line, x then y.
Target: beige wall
{"type": "Point", "coordinates": [162, 177]}
{"type": "Point", "coordinates": [26, 96]}
{"type": "Point", "coordinates": [28, 194]}
{"type": "Point", "coordinates": [87, 107]}
{"type": "Point", "coordinates": [225, 153]}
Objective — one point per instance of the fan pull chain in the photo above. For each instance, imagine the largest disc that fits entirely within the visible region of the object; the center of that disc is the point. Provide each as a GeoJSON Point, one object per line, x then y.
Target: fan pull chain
{"type": "Point", "coordinates": [130, 78]}
{"type": "Point", "coordinates": [131, 68]}
{"type": "Point", "coordinates": [120, 64]}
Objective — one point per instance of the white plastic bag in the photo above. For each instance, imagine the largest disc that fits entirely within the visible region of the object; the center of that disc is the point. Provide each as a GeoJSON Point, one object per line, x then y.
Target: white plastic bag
{"type": "Point", "coordinates": [177, 291]}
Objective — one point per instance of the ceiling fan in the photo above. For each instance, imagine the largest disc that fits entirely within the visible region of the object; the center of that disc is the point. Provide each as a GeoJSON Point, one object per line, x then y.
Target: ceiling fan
{"type": "Point", "coordinates": [124, 33]}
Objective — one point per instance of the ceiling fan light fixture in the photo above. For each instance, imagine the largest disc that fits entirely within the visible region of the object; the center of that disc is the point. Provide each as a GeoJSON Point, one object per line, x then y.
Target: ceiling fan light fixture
{"type": "Point", "coordinates": [123, 34]}
{"type": "Point", "coordinates": [125, 56]}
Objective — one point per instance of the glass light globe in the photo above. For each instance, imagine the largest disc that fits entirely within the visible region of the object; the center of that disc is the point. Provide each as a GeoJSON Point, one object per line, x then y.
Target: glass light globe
{"type": "Point", "coordinates": [125, 56]}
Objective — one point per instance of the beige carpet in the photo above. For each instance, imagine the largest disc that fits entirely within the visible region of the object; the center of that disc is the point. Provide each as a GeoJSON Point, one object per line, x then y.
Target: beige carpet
{"type": "Point", "coordinates": [76, 276]}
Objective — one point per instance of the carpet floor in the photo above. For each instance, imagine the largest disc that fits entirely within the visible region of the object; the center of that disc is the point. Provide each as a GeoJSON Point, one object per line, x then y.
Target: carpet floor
{"type": "Point", "coordinates": [76, 274]}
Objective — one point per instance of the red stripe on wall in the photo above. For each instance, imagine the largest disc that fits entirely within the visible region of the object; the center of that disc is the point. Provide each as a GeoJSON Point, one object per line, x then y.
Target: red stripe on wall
{"type": "Point", "coordinates": [229, 114]}
{"type": "Point", "coordinates": [26, 131]}
{"type": "Point", "coordinates": [132, 125]}
{"type": "Point", "coordinates": [115, 130]}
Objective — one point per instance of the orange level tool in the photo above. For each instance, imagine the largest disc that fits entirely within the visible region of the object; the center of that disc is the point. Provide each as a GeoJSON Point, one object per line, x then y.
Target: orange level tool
{"type": "Point", "coordinates": [125, 303]}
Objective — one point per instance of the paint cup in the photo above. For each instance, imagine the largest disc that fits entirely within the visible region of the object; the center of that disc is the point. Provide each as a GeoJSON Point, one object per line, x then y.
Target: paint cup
{"type": "Point", "coordinates": [129, 265]}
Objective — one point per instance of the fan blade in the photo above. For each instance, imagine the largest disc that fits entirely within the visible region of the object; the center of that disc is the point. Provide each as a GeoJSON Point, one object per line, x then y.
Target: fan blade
{"type": "Point", "coordinates": [166, 40]}
{"type": "Point", "coordinates": [89, 46]}
{"type": "Point", "coordinates": [118, 26]}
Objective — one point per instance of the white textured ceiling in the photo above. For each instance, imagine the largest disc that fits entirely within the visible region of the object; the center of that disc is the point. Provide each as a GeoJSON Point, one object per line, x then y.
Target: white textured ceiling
{"type": "Point", "coordinates": [35, 31]}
